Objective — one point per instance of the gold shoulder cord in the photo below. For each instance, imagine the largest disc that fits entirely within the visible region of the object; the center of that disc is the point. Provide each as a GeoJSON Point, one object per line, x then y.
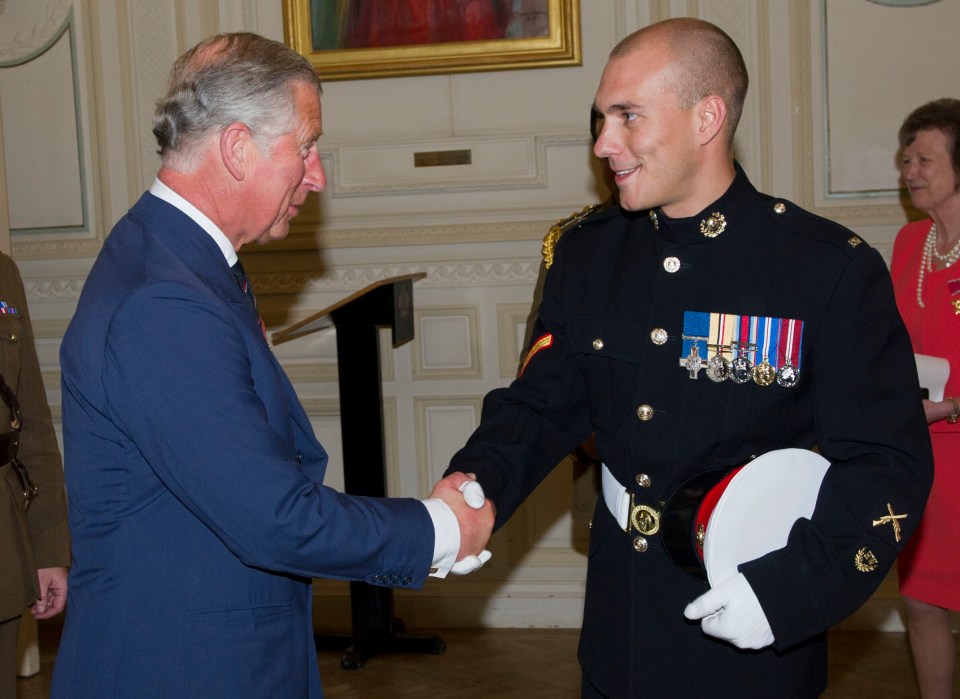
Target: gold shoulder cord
{"type": "Point", "coordinates": [559, 228]}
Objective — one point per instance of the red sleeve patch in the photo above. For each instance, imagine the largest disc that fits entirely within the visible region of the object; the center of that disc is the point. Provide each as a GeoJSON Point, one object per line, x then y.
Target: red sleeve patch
{"type": "Point", "coordinates": [540, 344]}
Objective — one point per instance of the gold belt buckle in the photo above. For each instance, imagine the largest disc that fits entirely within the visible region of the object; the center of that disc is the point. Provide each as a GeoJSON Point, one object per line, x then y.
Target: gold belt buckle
{"type": "Point", "coordinates": [643, 518]}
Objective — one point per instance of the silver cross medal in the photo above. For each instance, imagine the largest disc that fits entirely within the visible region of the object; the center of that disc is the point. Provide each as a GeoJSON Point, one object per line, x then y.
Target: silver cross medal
{"type": "Point", "coordinates": [693, 362]}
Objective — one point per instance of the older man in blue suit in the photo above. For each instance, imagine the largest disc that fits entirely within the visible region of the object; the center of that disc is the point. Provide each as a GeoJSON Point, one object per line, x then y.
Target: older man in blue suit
{"type": "Point", "coordinates": [194, 478]}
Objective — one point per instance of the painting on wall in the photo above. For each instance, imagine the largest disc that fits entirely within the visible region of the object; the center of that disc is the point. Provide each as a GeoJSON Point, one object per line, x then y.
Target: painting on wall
{"type": "Point", "coordinates": [348, 39]}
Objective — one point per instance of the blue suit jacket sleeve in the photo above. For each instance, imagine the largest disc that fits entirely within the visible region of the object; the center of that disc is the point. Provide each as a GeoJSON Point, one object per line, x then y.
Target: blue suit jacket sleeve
{"type": "Point", "coordinates": [194, 391]}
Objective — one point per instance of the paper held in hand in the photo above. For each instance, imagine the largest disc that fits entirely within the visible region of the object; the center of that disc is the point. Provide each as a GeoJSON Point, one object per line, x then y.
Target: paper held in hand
{"type": "Point", "coordinates": [933, 373]}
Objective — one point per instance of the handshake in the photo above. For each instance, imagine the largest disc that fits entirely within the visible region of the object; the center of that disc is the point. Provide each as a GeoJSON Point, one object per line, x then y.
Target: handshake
{"type": "Point", "coordinates": [474, 515]}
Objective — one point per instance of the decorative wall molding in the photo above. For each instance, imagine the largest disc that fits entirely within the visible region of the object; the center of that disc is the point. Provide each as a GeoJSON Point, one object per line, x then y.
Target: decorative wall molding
{"type": "Point", "coordinates": [305, 236]}
{"type": "Point", "coordinates": [30, 27]}
{"type": "Point", "coordinates": [29, 249]}
{"type": "Point", "coordinates": [67, 289]}
{"type": "Point", "coordinates": [321, 407]}
{"type": "Point", "coordinates": [497, 163]}
{"type": "Point", "coordinates": [310, 372]}
{"type": "Point", "coordinates": [469, 602]}
{"type": "Point", "coordinates": [439, 274]}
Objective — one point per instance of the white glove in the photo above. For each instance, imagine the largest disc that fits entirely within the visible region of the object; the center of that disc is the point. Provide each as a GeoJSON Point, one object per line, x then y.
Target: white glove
{"type": "Point", "coordinates": [473, 494]}
{"type": "Point", "coordinates": [470, 563]}
{"type": "Point", "coordinates": [731, 612]}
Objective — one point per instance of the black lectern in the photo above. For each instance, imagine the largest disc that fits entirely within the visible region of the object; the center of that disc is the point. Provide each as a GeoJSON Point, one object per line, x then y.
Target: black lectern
{"type": "Point", "coordinates": [357, 319]}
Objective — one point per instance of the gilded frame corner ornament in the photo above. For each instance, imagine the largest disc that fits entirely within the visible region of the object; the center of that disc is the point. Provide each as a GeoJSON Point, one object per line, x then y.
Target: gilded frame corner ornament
{"type": "Point", "coordinates": [560, 47]}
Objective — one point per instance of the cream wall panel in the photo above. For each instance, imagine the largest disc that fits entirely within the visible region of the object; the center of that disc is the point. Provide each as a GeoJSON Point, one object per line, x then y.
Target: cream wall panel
{"type": "Point", "coordinates": [327, 429]}
{"type": "Point", "coordinates": [494, 162]}
{"type": "Point", "coordinates": [780, 103]}
{"type": "Point", "coordinates": [512, 332]}
{"type": "Point", "coordinates": [876, 218]}
{"type": "Point", "coordinates": [545, 534]}
{"type": "Point", "coordinates": [535, 101]}
{"type": "Point", "coordinates": [870, 91]}
{"type": "Point", "coordinates": [153, 31]}
{"type": "Point", "coordinates": [108, 77]}
{"type": "Point", "coordinates": [447, 344]}
{"type": "Point", "coordinates": [401, 108]}
{"type": "Point", "coordinates": [739, 19]}
{"type": "Point", "coordinates": [540, 181]}
{"type": "Point", "coordinates": [238, 15]}
{"type": "Point", "coordinates": [43, 147]}
{"type": "Point", "coordinates": [443, 425]}
{"type": "Point", "coordinates": [391, 458]}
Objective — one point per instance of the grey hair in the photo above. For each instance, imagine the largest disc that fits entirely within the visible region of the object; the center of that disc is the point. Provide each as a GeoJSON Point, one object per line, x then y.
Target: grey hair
{"type": "Point", "coordinates": [229, 78]}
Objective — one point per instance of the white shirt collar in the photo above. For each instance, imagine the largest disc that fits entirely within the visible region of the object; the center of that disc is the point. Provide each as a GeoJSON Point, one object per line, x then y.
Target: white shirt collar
{"type": "Point", "coordinates": [162, 191]}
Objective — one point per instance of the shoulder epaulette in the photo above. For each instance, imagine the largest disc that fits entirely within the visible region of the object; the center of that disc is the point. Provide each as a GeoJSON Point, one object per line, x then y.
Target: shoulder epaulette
{"type": "Point", "coordinates": [814, 226]}
{"type": "Point", "coordinates": [561, 227]}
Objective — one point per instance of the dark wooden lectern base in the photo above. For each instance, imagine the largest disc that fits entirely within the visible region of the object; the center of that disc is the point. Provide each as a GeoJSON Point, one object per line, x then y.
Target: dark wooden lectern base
{"type": "Point", "coordinates": [384, 633]}
{"type": "Point", "coordinates": [358, 318]}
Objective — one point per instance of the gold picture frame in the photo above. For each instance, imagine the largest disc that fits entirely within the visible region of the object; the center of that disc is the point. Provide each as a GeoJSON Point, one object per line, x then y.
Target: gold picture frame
{"type": "Point", "coordinates": [558, 45]}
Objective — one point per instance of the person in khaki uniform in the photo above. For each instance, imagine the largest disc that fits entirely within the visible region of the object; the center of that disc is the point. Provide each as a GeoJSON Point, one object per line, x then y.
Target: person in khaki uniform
{"type": "Point", "coordinates": [34, 541]}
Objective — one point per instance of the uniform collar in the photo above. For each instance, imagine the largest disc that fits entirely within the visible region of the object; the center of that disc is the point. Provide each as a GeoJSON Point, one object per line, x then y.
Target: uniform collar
{"type": "Point", "coordinates": [716, 221]}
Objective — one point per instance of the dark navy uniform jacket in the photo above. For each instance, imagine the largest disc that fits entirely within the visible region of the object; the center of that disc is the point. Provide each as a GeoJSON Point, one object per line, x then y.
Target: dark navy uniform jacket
{"type": "Point", "coordinates": [606, 357]}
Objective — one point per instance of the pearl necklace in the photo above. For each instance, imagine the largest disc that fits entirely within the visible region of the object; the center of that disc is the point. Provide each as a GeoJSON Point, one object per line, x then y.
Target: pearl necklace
{"type": "Point", "coordinates": [929, 253]}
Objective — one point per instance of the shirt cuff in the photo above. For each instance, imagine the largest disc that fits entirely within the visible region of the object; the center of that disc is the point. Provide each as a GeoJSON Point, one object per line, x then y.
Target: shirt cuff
{"type": "Point", "coordinates": [446, 539]}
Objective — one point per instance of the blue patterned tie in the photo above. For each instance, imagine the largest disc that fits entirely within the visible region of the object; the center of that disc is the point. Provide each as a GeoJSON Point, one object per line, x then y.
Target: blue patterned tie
{"type": "Point", "coordinates": [244, 282]}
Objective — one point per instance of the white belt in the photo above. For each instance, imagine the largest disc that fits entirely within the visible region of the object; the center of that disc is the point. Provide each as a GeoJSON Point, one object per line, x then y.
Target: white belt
{"type": "Point", "coordinates": [616, 497]}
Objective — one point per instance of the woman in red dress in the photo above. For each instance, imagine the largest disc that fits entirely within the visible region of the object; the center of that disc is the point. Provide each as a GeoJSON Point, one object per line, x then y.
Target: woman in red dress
{"type": "Point", "coordinates": [927, 284]}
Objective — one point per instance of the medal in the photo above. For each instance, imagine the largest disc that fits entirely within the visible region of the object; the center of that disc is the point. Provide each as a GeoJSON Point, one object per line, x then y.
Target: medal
{"type": "Point", "coordinates": [741, 368]}
{"type": "Point", "coordinates": [788, 375]}
{"type": "Point", "coordinates": [693, 362]}
{"type": "Point", "coordinates": [764, 373]}
{"type": "Point", "coordinates": [718, 366]}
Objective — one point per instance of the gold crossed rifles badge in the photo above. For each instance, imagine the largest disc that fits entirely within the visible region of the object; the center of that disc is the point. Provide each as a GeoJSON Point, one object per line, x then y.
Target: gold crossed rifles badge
{"type": "Point", "coordinates": [891, 518]}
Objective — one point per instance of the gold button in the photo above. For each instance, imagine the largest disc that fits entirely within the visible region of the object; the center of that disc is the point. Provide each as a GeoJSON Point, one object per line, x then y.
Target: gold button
{"type": "Point", "coordinates": [643, 480]}
{"type": "Point", "coordinates": [671, 264]}
{"type": "Point", "coordinates": [658, 336]}
{"type": "Point", "coordinates": [598, 344]}
{"type": "Point", "coordinates": [780, 207]}
{"type": "Point", "coordinates": [640, 544]}
{"type": "Point", "coordinates": [645, 412]}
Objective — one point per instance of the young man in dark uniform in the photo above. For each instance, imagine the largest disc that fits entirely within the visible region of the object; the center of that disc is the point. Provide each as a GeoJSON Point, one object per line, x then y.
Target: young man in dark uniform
{"type": "Point", "coordinates": [696, 326]}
